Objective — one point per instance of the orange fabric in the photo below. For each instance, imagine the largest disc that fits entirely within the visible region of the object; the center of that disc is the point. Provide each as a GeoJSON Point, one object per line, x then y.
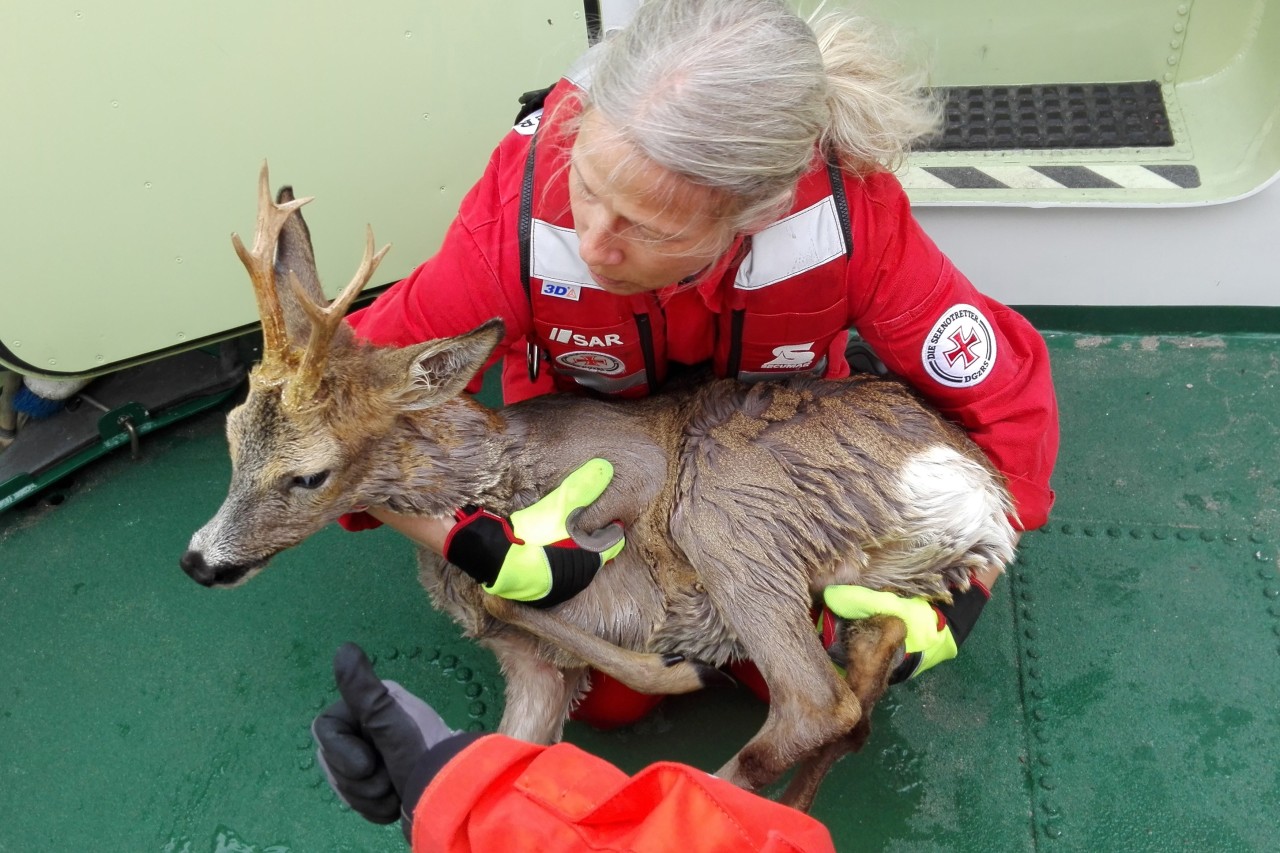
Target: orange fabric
{"type": "Point", "coordinates": [504, 794]}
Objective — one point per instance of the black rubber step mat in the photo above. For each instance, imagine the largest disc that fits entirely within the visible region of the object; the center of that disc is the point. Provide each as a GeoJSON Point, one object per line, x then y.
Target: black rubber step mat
{"type": "Point", "coordinates": [1062, 115]}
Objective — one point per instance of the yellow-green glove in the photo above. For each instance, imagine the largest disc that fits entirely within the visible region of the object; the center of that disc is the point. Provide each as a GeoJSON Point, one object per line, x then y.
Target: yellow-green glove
{"type": "Point", "coordinates": [934, 631]}
{"type": "Point", "coordinates": [531, 557]}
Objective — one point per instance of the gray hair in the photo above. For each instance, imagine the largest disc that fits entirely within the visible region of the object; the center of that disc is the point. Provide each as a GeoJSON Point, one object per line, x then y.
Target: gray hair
{"type": "Point", "coordinates": [736, 94]}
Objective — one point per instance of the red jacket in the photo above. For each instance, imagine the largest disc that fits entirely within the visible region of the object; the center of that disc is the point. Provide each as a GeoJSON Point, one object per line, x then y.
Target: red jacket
{"type": "Point", "coordinates": [504, 794]}
{"type": "Point", "coordinates": [975, 360]}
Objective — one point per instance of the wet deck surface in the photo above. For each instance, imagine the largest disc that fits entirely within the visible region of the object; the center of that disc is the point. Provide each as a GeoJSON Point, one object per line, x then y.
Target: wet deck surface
{"type": "Point", "coordinates": [1120, 693]}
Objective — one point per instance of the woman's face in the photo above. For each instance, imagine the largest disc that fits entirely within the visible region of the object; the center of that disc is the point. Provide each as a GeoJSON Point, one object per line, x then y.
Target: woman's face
{"type": "Point", "coordinates": [640, 227]}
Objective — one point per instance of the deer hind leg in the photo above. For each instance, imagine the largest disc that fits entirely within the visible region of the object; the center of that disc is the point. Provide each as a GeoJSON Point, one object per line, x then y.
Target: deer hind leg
{"type": "Point", "coordinates": [810, 704]}
{"type": "Point", "coordinates": [641, 671]}
{"type": "Point", "coordinates": [874, 647]}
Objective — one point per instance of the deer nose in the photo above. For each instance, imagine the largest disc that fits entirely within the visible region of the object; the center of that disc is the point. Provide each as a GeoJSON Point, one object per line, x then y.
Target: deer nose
{"type": "Point", "coordinates": [197, 569]}
{"type": "Point", "coordinates": [204, 574]}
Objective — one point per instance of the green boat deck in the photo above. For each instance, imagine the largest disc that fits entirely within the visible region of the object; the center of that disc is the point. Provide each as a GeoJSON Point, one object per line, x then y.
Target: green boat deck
{"type": "Point", "coordinates": [1119, 694]}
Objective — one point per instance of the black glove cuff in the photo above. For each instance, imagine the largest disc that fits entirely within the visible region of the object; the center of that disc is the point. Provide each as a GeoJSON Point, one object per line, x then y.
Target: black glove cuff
{"type": "Point", "coordinates": [478, 545]}
{"type": "Point", "coordinates": [431, 763]}
{"type": "Point", "coordinates": [572, 570]}
{"type": "Point", "coordinates": [963, 611]}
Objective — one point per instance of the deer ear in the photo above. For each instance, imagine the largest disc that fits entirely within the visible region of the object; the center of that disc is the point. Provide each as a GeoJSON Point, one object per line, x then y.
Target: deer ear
{"type": "Point", "coordinates": [438, 370]}
{"type": "Point", "coordinates": [295, 258]}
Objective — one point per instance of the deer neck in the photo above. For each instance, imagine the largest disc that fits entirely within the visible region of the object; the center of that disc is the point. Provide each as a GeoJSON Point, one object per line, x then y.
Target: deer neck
{"type": "Point", "coordinates": [436, 460]}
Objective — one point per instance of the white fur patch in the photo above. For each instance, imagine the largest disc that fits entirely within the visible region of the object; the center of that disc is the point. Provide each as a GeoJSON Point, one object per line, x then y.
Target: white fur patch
{"type": "Point", "coordinates": [954, 505]}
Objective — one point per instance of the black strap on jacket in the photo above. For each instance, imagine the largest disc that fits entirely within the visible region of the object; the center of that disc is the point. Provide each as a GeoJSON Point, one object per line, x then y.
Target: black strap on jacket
{"type": "Point", "coordinates": [835, 175]}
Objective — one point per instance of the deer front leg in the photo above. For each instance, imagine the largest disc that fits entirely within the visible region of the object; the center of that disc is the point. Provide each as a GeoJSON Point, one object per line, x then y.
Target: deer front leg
{"type": "Point", "coordinates": [874, 647]}
{"type": "Point", "coordinates": [538, 694]}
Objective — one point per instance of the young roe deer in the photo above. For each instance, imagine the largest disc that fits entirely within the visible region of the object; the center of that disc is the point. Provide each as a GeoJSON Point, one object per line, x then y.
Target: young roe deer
{"type": "Point", "coordinates": [740, 503]}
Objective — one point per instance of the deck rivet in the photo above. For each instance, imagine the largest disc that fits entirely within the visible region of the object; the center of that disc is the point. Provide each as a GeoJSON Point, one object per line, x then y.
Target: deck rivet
{"type": "Point", "coordinates": [449, 661]}
{"type": "Point", "coordinates": [1274, 610]}
{"type": "Point", "coordinates": [1184, 535]}
{"type": "Point", "coordinates": [1090, 530]}
{"type": "Point", "coordinates": [1168, 76]}
{"type": "Point", "coordinates": [1038, 693]}
{"type": "Point", "coordinates": [1183, 9]}
{"type": "Point", "coordinates": [393, 654]}
{"type": "Point", "coordinates": [307, 763]}
{"type": "Point", "coordinates": [1260, 557]}
{"type": "Point", "coordinates": [1266, 573]}
{"type": "Point", "coordinates": [1026, 614]}
{"type": "Point", "coordinates": [1255, 538]}
{"type": "Point", "coordinates": [1276, 630]}
{"type": "Point", "coordinates": [476, 709]}
{"type": "Point", "coordinates": [1135, 533]}
{"type": "Point", "coordinates": [1068, 529]}
{"type": "Point", "coordinates": [1207, 536]}
{"type": "Point", "coordinates": [1052, 830]}
{"type": "Point", "coordinates": [1042, 736]}
{"type": "Point", "coordinates": [1027, 595]}
{"type": "Point", "coordinates": [1160, 534]}
{"type": "Point", "coordinates": [1039, 715]}
{"type": "Point", "coordinates": [463, 674]}
{"type": "Point", "coordinates": [474, 689]}
{"type": "Point", "coordinates": [1114, 532]}
{"type": "Point", "coordinates": [1179, 27]}
{"type": "Point", "coordinates": [475, 726]}
{"type": "Point", "coordinates": [1048, 782]}
{"type": "Point", "coordinates": [1034, 672]}
{"type": "Point", "coordinates": [1051, 808]}
{"type": "Point", "coordinates": [1030, 633]}
{"type": "Point", "coordinates": [433, 655]}
{"type": "Point", "coordinates": [1032, 653]}
{"type": "Point", "coordinates": [1272, 592]}
{"type": "Point", "coordinates": [1046, 760]}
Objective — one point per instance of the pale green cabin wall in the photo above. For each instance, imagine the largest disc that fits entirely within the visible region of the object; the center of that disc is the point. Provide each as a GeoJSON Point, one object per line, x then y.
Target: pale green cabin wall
{"type": "Point", "coordinates": [132, 133]}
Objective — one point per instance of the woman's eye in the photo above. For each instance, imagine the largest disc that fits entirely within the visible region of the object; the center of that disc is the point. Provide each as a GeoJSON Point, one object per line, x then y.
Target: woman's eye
{"type": "Point", "coordinates": [310, 481]}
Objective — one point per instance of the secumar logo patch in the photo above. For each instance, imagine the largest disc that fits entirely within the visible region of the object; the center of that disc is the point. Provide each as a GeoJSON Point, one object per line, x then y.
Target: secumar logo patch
{"type": "Point", "coordinates": [960, 350]}
{"type": "Point", "coordinates": [592, 362]}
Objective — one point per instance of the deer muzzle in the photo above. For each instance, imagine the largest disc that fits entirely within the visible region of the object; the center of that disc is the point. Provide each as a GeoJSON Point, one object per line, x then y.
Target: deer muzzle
{"type": "Point", "coordinates": [193, 563]}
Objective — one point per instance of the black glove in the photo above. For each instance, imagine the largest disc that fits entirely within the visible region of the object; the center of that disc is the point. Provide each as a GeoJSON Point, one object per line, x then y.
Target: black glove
{"type": "Point", "coordinates": [531, 557]}
{"type": "Point", "coordinates": [379, 746]}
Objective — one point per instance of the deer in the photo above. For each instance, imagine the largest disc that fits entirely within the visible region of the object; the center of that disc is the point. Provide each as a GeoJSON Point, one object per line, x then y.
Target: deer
{"type": "Point", "coordinates": [740, 503]}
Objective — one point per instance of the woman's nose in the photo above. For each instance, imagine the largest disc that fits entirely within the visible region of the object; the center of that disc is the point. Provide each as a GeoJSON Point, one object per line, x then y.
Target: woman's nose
{"type": "Point", "coordinates": [598, 246]}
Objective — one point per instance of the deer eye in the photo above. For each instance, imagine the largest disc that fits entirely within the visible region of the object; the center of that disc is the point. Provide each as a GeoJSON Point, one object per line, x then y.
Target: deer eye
{"type": "Point", "coordinates": [310, 481]}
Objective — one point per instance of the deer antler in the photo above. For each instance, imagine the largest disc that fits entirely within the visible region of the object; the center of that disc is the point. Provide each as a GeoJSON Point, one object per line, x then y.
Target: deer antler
{"type": "Point", "coordinates": [280, 359]}
{"type": "Point", "coordinates": [326, 320]}
{"type": "Point", "coordinates": [260, 264]}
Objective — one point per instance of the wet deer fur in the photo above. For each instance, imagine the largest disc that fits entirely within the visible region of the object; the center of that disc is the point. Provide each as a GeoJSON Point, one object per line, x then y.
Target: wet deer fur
{"type": "Point", "coordinates": [740, 503]}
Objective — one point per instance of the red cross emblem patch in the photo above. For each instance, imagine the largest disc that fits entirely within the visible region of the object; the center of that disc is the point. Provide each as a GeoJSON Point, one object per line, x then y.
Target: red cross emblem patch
{"type": "Point", "coordinates": [960, 349]}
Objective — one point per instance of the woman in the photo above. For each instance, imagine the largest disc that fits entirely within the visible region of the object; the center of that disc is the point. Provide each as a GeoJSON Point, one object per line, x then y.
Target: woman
{"type": "Point", "coordinates": [711, 185]}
